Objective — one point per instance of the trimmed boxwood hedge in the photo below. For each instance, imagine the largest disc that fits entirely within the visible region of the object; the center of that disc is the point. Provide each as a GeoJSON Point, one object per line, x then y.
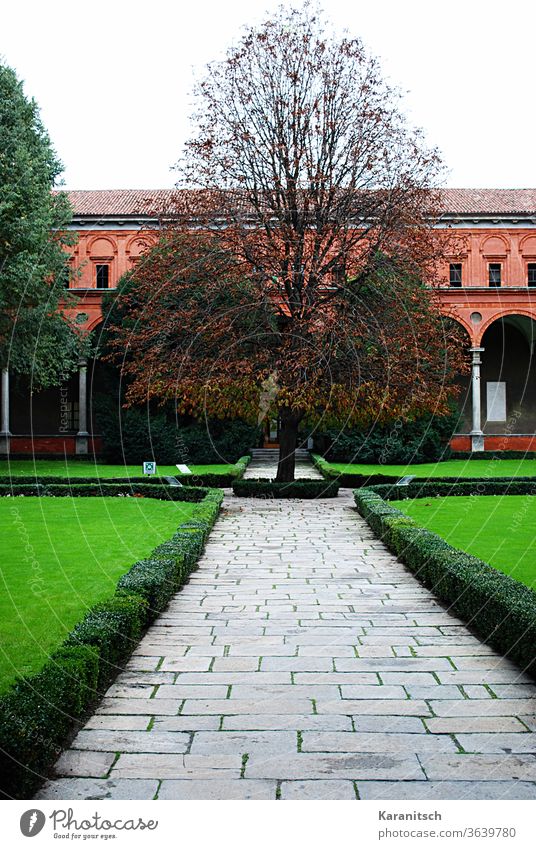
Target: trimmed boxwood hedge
{"type": "Point", "coordinates": [194, 480]}
{"type": "Point", "coordinates": [39, 712]}
{"type": "Point", "coordinates": [98, 489]}
{"type": "Point", "coordinates": [355, 481]}
{"type": "Point", "coordinates": [435, 487]}
{"type": "Point", "coordinates": [492, 455]}
{"type": "Point", "coordinates": [264, 488]}
{"type": "Point", "coordinates": [499, 609]}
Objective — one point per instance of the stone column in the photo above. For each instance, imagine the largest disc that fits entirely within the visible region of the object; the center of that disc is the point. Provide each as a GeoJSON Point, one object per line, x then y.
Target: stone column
{"type": "Point", "coordinates": [477, 435]}
{"type": "Point", "coordinates": [82, 437]}
{"type": "Point", "coordinates": [5, 432]}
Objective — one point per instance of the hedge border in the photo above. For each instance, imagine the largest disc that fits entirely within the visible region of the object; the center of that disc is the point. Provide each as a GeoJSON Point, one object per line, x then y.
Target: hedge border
{"type": "Point", "coordinates": [40, 712]}
{"type": "Point", "coordinates": [492, 455]}
{"type": "Point", "coordinates": [351, 481]}
{"type": "Point", "coordinates": [264, 488]}
{"type": "Point", "coordinates": [206, 480]}
{"type": "Point", "coordinates": [499, 609]}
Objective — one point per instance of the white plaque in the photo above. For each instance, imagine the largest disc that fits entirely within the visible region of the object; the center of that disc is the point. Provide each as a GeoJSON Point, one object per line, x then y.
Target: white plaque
{"type": "Point", "coordinates": [184, 470]}
{"type": "Point", "coordinates": [496, 401]}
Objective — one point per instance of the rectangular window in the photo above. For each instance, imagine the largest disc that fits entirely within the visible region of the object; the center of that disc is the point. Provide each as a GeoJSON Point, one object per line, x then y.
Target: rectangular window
{"type": "Point", "coordinates": [455, 274]}
{"type": "Point", "coordinates": [494, 272]}
{"type": "Point", "coordinates": [103, 276]}
{"type": "Point", "coordinates": [531, 274]}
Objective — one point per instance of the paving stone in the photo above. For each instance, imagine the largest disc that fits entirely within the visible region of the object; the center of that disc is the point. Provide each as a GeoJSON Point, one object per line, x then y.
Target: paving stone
{"type": "Point", "coordinates": [514, 691]}
{"type": "Point", "coordinates": [393, 664]}
{"type": "Point", "coordinates": [295, 722]}
{"type": "Point", "coordinates": [420, 790]}
{"type": "Point", "coordinates": [484, 707]}
{"type": "Point", "coordinates": [392, 742]}
{"type": "Point", "coordinates": [238, 706]}
{"type": "Point", "coordinates": [408, 707]}
{"type": "Point", "coordinates": [124, 722]}
{"type": "Point", "coordinates": [489, 676]}
{"type": "Point", "coordinates": [191, 691]}
{"type": "Point", "coordinates": [186, 664]}
{"type": "Point", "coordinates": [261, 742]}
{"type": "Point", "coordinates": [297, 664]}
{"type": "Point", "coordinates": [149, 707]}
{"type": "Point", "coordinates": [320, 789]}
{"type": "Point", "coordinates": [263, 679]}
{"type": "Point", "coordinates": [236, 664]}
{"type": "Point", "coordinates": [498, 743]}
{"type": "Point", "coordinates": [434, 691]}
{"type": "Point", "coordinates": [360, 691]}
{"type": "Point", "coordinates": [186, 723]}
{"type": "Point", "coordinates": [94, 788]}
{"type": "Point", "coordinates": [389, 724]}
{"type": "Point", "coordinates": [307, 678]}
{"type": "Point", "coordinates": [217, 789]}
{"type": "Point", "coordinates": [132, 741]}
{"type": "Point", "coordinates": [480, 767]}
{"type": "Point", "coordinates": [335, 765]}
{"type": "Point", "coordinates": [177, 766]}
{"type": "Point", "coordinates": [91, 764]}
{"type": "Point", "coordinates": [474, 724]}
{"type": "Point", "coordinates": [287, 691]}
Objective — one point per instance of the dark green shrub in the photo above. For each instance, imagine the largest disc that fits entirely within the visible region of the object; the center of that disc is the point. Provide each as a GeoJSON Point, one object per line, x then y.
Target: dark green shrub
{"type": "Point", "coordinates": [135, 435]}
{"type": "Point", "coordinates": [425, 439]}
{"type": "Point", "coordinates": [156, 581]}
{"type": "Point", "coordinates": [98, 489]}
{"type": "Point", "coordinates": [499, 609]}
{"type": "Point", "coordinates": [263, 488]}
{"type": "Point", "coordinates": [493, 455]}
{"type": "Point", "coordinates": [113, 627]}
{"type": "Point", "coordinates": [37, 714]}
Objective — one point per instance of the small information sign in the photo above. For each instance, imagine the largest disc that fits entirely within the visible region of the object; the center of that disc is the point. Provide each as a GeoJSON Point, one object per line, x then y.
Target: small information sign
{"type": "Point", "coordinates": [405, 481]}
{"type": "Point", "coordinates": [149, 467]}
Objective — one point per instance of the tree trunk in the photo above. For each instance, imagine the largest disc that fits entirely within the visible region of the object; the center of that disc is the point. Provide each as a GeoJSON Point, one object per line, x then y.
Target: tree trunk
{"type": "Point", "coordinates": [288, 436]}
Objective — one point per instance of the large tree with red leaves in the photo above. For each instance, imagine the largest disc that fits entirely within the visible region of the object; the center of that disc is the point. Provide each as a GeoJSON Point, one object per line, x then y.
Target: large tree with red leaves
{"type": "Point", "coordinates": [290, 276]}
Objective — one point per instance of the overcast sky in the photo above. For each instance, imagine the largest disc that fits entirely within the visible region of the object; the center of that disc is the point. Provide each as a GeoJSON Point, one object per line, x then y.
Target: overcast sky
{"type": "Point", "coordinates": [113, 78]}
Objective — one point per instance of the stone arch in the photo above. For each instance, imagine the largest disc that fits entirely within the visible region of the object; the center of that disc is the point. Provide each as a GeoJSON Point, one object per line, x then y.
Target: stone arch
{"type": "Point", "coordinates": [494, 245]}
{"type": "Point", "coordinates": [139, 244]}
{"type": "Point", "coordinates": [512, 313]}
{"type": "Point", "coordinates": [527, 245]}
{"type": "Point", "coordinates": [102, 246]}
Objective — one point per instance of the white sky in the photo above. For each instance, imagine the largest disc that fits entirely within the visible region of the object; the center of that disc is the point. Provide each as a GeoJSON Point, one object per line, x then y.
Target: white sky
{"type": "Point", "coordinates": [113, 78]}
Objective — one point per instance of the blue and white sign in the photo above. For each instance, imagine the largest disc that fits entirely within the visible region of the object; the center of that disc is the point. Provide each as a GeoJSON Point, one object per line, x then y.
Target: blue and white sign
{"type": "Point", "coordinates": [149, 467]}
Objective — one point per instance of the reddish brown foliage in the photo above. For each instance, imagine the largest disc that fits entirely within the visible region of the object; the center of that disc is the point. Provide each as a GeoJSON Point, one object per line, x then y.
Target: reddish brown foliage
{"type": "Point", "coordinates": [290, 280]}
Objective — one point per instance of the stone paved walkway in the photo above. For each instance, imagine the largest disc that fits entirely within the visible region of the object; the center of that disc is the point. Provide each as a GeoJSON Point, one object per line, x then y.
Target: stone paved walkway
{"type": "Point", "coordinates": [264, 465]}
{"type": "Point", "coordinates": [302, 661]}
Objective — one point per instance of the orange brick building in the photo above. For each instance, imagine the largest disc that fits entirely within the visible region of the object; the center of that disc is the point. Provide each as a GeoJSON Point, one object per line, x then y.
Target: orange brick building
{"type": "Point", "coordinates": [490, 289]}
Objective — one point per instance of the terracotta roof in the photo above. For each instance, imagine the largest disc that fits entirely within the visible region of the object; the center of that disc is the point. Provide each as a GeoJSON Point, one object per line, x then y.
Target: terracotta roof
{"type": "Point", "coordinates": [119, 201]}
{"type": "Point", "coordinates": [140, 202]}
{"type": "Point", "coordinates": [489, 201]}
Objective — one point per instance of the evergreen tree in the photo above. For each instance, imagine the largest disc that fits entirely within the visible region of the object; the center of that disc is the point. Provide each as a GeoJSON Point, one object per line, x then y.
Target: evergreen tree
{"type": "Point", "coordinates": [35, 336]}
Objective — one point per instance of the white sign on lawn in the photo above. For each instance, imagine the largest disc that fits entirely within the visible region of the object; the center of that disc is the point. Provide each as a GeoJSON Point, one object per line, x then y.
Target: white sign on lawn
{"type": "Point", "coordinates": [149, 467]}
{"type": "Point", "coordinates": [184, 470]}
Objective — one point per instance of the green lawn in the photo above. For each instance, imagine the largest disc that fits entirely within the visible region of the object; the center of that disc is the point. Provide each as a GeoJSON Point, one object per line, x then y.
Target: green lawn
{"type": "Point", "coordinates": [449, 468]}
{"type": "Point", "coordinates": [58, 556]}
{"type": "Point", "coordinates": [88, 468]}
{"type": "Point", "coordinates": [500, 529]}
